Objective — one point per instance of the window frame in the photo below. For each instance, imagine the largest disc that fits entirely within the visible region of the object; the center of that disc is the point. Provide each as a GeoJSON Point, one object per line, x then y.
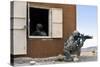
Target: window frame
{"type": "Point", "coordinates": [49, 24]}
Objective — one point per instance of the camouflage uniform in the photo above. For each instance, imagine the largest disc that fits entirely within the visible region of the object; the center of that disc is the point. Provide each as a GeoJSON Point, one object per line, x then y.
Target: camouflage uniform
{"type": "Point", "coordinates": [73, 45]}
{"type": "Point", "coordinates": [70, 45]}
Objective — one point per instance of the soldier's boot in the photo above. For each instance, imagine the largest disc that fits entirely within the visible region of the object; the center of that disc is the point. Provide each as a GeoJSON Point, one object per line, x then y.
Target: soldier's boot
{"type": "Point", "coordinates": [67, 57]}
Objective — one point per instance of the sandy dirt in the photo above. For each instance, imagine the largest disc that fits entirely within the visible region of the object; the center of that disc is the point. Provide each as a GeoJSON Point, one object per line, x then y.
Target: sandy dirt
{"type": "Point", "coordinates": [26, 61]}
{"type": "Point", "coordinates": [88, 56]}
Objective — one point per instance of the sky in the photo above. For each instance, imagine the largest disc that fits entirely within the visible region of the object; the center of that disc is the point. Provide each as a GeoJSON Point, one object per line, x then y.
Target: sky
{"type": "Point", "coordinates": [87, 23]}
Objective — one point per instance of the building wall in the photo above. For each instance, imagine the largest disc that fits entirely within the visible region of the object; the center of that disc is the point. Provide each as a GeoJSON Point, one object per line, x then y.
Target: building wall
{"type": "Point", "coordinates": [37, 47]}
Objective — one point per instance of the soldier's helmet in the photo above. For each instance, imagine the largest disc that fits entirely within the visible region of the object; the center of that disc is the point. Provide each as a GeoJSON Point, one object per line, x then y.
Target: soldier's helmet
{"type": "Point", "coordinates": [76, 33]}
{"type": "Point", "coordinates": [39, 26]}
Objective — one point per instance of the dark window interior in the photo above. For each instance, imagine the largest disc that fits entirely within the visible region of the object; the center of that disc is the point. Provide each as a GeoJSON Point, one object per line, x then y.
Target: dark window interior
{"type": "Point", "coordinates": [38, 16]}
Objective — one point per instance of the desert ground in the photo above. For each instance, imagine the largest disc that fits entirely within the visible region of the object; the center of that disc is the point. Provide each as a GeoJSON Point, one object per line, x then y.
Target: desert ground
{"type": "Point", "coordinates": [86, 56]}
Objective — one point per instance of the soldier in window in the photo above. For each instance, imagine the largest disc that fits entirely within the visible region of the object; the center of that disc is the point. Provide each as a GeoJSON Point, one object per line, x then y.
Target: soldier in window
{"type": "Point", "coordinates": [39, 30]}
